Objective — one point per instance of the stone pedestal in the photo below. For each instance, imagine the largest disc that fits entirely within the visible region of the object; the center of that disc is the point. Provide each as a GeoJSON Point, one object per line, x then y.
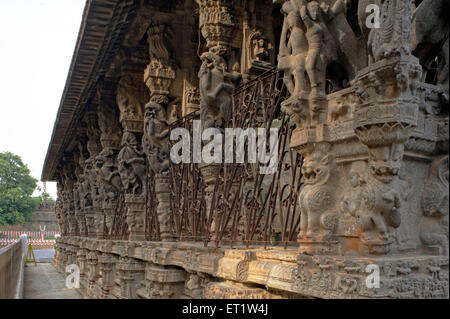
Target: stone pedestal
{"type": "Point", "coordinates": [90, 221]}
{"type": "Point", "coordinates": [107, 263]}
{"type": "Point", "coordinates": [82, 262]}
{"type": "Point", "coordinates": [162, 190]}
{"type": "Point", "coordinates": [99, 221]}
{"type": "Point", "coordinates": [93, 275]}
{"type": "Point", "coordinates": [81, 221]}
{"type": "Point", "coordinates": [210, 174]}
{"type": "Point", "coordinates": [109, 209]}
{"type": "Point", "coordinates": [131, 273]}
{"type": "Point", "coordinates": [371, 277]}
{"type": "Point", "coordinates": [162, 283]}
{"type": "Point", "coordinates": [135, 206]}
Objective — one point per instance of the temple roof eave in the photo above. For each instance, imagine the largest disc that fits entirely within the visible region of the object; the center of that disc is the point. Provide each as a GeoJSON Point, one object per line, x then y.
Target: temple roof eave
{"type": "Point", "coordinates": [101, 29]}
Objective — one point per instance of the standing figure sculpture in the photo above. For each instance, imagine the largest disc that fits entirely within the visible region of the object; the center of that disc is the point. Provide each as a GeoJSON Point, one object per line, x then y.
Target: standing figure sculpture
{"type": "Point", "coordinates": [156, 134]}
{"type": "Point", "coordinates": [315, 35]}
{"type": "Point", "coordinates": [293, 49]}
{"type": "Point", "coordinates": [216, 102]}
{"type": "Point", "coordinates": [131, 166]}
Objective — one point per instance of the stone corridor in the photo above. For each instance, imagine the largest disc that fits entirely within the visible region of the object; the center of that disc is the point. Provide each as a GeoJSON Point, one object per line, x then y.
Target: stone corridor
{"type": "Point", "coordinates": [45, 282]}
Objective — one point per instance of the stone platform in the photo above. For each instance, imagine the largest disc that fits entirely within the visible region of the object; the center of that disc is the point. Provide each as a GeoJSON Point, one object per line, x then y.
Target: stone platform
{"type": "Point", "coordinates": [189, 270]}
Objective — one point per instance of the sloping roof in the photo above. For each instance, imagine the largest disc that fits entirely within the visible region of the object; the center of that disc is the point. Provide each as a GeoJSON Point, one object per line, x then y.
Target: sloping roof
{"type": "Point", "coordinates": [101, 31]}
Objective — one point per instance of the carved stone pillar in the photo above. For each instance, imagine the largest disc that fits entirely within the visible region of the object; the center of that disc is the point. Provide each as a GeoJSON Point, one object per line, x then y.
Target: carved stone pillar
{"type": "Point", "coordinates": [158, 77]}
{"type": "Point", "coordinates": [93, 275]}
{"type": "Point", "coordinates": [381, 105]}
{"type": "Point", "coordinates": [131, 97]}
{"type": "Point", "coordinates": [59, 253]}
{"type": "Point", "coordinates": [92, 206]}
{"type": "Point", "coordinates": [216, 24]}
{"type": "Point", "coordinates": [191, 98]}
{"type": "Point", "coordinates": [71, 255]}
{"type": "Point", "coordinates": [195, 285]}
{"type": "Point", "coordinates": [387, 114]}
{"type": "Point", "coordinates": [131, 273]}
{"type": "Point", "coordinates": [60, 210]}
{"type": "Point", "coordinates": [63, 256]}
{"type": "Point", "coordinates": [108, 176]}
{"type": "Point", "coordinates": [82, 262]}
{"type": "Point", "coordinates": [68, 180]}
{"type": "Point", "coordinates": [162, 283]}
{"type": "Point", "coordinates": [107, 262]}
{"type": "Point", "coordinates": [216, 83]}
{"type": "Point", "coordinates": [79, 211]}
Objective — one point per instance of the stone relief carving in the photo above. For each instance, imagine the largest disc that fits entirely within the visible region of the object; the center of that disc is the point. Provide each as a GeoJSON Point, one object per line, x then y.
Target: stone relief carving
{"type": "Point", "coordinates": [159, 77]}
{"type": "Point", "coordinates": [191, 100]}
{"type": "Point", "coordinates": [435, 206]}
{"type": "Point", "coordinates": [307, 46]}
{"type": "Point", "coordinates": [131, 166]}
{"type": "Point", "coordinates": [156, 134]}
{"type": "Point", "coordinates": [394, 35]}
{"type": "Point", "coordinates": [318, 196]}
{"type": "Point", "coordinates": [215, 93]}
{"type": "Point", "coordinates": [108, 177]}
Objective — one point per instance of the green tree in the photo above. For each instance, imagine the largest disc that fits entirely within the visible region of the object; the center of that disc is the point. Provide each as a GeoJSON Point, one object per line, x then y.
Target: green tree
{"type": "Point", "coordinates": [16, 188]}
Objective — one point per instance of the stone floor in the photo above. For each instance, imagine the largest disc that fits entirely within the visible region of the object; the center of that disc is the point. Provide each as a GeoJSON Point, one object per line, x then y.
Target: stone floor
{"type": "Point", "coordinates": [45, 282]}
{"type": "Point", "coordinates": [44, 255]}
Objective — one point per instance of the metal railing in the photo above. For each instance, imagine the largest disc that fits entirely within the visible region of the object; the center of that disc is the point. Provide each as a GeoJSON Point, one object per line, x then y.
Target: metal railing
{"type": "Point", "coordinates": [246, 208]}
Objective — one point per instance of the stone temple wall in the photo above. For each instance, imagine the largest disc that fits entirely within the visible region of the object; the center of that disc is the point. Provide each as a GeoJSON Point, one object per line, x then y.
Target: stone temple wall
{"type": "Point", "coordinates": [358, 204]}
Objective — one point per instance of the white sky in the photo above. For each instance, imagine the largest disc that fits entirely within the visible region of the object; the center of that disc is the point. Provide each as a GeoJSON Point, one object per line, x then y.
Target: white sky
{"type": "Point", "coordinates": [37, 40]}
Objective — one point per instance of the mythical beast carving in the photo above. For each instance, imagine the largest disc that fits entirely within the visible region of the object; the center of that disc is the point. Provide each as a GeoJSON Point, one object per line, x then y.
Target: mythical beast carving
{"type": "Point", "coordinates": [318, 197]}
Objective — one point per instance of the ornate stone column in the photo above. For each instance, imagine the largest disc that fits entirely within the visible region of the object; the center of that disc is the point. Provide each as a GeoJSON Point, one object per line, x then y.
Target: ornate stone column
{"type": "Point", "coordinates": [60, 210]}
{"type": "Point", "coordinates": [93, 199]}
{"type": "Point", "coordinates": [63, 256]}
{"type": "Point", "coordinates": [71, 255]}
{"type": "Point", "coordinates": [131, 98]}
{"type": "Point", "coordinates": [216, 83]}
{"type": "Point", "coordinates": [381, 105]}
{"type": "Point", "coordinates": [108, 176]}
{"type": "Point", "coordinates": [79, 194]}
{"type": "Point", "coordinates": [92, 260]}
{"type": "Point", "coordinates": [107, 262]}
{"type": "Point", "coordinates": [82, 262]}
{"type": "Point", "coordinates": [68, 180]}
{"type": "Point", "coordinates": [162, 283]}
{"type": "Point", "coordinates": [158, 77]}
{"type": "Point", "coordinates": [387, 114]}
{"type": "Point", "coordinates": [131, 273]}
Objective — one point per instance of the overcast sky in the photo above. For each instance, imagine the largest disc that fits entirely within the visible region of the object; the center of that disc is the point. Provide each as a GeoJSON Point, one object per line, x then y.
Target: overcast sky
{"type": "Point", "coordinates": [37, 40]}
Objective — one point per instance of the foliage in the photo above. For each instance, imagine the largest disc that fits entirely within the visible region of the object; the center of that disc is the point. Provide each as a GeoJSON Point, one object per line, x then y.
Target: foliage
{"type": "Point", "coordinates": [16, 188]}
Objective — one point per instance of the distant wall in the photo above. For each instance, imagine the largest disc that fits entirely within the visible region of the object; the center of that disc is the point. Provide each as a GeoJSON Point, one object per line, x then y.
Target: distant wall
{"type": "Point", "coordinates": [45, 217]}
{"type": "Point", "coordinates": [41, 217]}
